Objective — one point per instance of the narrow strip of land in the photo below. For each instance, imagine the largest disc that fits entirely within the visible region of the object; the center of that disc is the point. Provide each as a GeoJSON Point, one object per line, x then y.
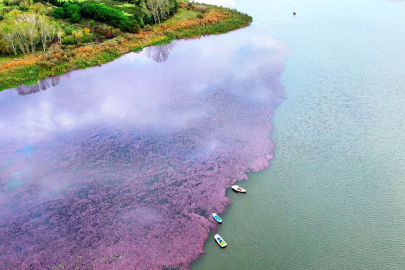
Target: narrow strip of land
{"type": "Point", "coordinates": [189, 21]}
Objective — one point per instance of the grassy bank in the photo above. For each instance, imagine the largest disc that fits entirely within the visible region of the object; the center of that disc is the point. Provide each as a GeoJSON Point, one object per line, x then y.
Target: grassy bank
{"type": "Point", "coordinates": [186, 23]}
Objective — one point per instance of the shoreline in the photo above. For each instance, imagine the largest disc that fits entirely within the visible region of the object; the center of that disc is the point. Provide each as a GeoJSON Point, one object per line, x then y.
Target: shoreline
{"type": "Point", "coordinates": [31, 70]}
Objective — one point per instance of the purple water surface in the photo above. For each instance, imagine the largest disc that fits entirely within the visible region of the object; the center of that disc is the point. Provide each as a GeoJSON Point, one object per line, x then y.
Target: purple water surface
{"type": "Point", "coordinates": [121, 166]}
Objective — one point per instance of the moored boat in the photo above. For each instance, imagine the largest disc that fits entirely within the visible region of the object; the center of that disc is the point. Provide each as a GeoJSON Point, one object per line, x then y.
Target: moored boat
{"type": "Point", "coordinates": [217, 218]}
{"type": "Point", "coordinates": [238, 189]}
{"type": "Point", "coordinates": [220, 241]}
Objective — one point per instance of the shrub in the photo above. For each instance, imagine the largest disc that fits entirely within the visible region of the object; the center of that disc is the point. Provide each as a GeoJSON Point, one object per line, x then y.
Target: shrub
{"type": "Point", "coordinates": [97, 39]}
{"type": "Point", "coordinates": [69, 30]}
{"type": "Point", "coordinates": [101, 29]}
{"type": "Point", "coordinates": [200, 16]}
{"type": "Point", "coordinates": [59, 13]}
{"type": "Point", "coordinates": [46, 12]}
{"type": "Point", "coordinates": [92, 23]}
{"type": "Point", "coordinates": [66, 5]}
{"type": "Point", "coordinates": [72, 9]}
{"type": "Point", "coordinates": [75, 17]}
{"type": "Point", "coordinates": [11, 3]}
{"type": "Point", "coordinates": [201, 8]}
{"type": "Point", "coordinates": [115, 32]}
{"type": "Point", "coordinates": [147, 19]}
{"type": "Point", "coordinates": [148, 28]}
{"type": "Point", "coordinates": [69, 40]}
{"type": "Point", "coordinates": [14, 13]}
{"type": "Point", "coordinates": [1, 18]}
{"type": "Point", "coordinates": [87, 39]}
{"type": "Point", "coordinates": [137, 19]}
{"type": "Point", "coordinates": [174, 5]}
{"type": "Point", "coordinates": [4, 49]}
{"type": "Point", "coordinates": [109, 36]}
{"type": "Point", "coordinates": [24, 8]}
{"type": "Point", "coordinates": [112, 16]}
{"type": "Point", "coordinates": [189, 5]}
{"type": "Point", "coordinates": [120, 40]}
{"type": "Point", "coordinates": [77, 35]}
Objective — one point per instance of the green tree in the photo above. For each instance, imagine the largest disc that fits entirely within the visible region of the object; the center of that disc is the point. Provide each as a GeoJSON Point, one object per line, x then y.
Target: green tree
{"type": "Point", "coordinates": [75, 17]}
{"type": "Point", "coordinates": [112, 16]}
{"type": "Point", "coordinates": [72, 9]}
{"type": "Point", "coordinates": [59, 13]}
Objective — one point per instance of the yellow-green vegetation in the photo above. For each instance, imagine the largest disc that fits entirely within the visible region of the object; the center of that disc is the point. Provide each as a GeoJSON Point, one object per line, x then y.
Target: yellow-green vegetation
{"type": "Point", "coordinates": [189, 21]}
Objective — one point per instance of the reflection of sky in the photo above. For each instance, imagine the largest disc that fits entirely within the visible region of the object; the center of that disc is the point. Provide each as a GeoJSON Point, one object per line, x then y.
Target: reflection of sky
{"type": "Point", "coordinates": [267, 10]}
{"type": "Point", "coordinates": [114, 156]}
{"type": "Point", "coordinates": [148, 103]}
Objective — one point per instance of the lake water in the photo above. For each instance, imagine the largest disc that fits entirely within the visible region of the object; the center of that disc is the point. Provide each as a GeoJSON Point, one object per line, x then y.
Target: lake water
{"type": "Point", "coordinates": [334, 197]}
{"type": "Point", "coordinates": [120, 166]}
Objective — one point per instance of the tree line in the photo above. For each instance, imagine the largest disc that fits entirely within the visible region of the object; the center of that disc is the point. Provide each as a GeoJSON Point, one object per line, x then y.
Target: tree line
{"type": "Point", "coordinates": [112, 16]}
{"type": "Point", "coordinates": [155, 12]}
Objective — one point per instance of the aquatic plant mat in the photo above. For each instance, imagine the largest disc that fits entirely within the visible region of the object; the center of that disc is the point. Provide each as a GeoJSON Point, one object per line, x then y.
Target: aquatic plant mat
{"type": "Point", "coordinates": [121, 166]}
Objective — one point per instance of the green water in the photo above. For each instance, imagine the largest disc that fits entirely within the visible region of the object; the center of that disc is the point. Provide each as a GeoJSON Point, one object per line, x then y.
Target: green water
{"type": "Point", "coordinates": [334, 197]}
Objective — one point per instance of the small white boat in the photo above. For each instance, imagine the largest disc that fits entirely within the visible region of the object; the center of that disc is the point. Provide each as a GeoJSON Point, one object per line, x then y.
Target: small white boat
{"type": "Point", "coordinates": [238, 189]}
{"type": "Point", "coordinates": [220, 241]}
{"type": "Point", "coordinates": [217, 218]}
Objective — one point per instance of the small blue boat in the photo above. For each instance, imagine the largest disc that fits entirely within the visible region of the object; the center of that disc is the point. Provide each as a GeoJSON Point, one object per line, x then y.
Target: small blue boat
{"type": "Point", "coordinates": [217, 218]}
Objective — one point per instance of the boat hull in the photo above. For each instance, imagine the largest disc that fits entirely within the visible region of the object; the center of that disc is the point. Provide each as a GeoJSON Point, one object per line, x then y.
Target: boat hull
{"type": "Point", "coordinates": [217, 218]}
{"type": "Point", "coordinates": [238, 189]}
{"type": "Point", "coordinates": [220, 241]}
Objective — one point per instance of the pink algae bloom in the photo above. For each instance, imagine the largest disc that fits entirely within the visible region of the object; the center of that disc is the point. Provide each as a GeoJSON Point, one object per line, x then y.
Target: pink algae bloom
{"type": "Point", "coordinates": [121, 166]}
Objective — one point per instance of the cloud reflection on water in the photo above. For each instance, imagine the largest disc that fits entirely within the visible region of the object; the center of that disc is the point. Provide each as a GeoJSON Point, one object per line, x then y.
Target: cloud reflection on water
{"type": "Point", "coordinates": [112, 143]}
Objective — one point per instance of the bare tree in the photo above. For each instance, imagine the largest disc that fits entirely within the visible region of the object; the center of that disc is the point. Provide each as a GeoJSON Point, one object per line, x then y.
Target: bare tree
{"type": "Point", "coordinates": [47, 32]}
{"type": "Point", "coordinates": [27, 31]}
{"type": "Point", "coordinates": [8, 35]}
{"type": "Point", "coordinates": [20, 35]}
{"type": "Point", "coordinates": [30, 22]}
{"type": "Point", "coordinates": [159, 8]}
{"type": "Point", "coordinates": [59, 33]}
